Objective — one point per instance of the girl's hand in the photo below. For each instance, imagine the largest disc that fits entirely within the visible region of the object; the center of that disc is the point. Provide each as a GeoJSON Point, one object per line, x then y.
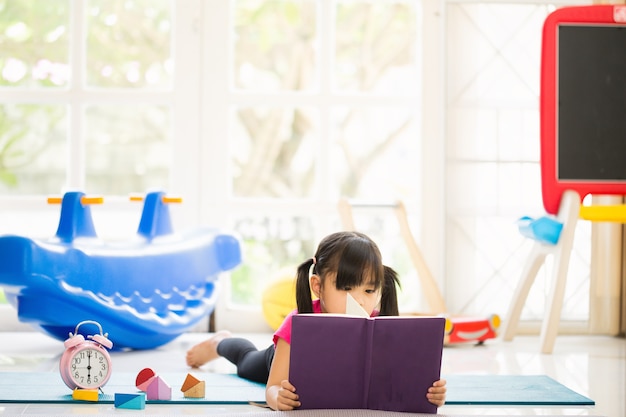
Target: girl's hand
{"type": "Point", "coordinates": [437, 393]}
{"type": "Point", "coordinates": [287, 399]}
{"type": "Point", "coordinates": [279, 393]}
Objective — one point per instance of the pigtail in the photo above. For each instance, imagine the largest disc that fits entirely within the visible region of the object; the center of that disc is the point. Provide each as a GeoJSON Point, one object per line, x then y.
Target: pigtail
{"type": "Point", "coordinates": [389, 297]}
{"type": "Point", "coordinates": [303, 287]}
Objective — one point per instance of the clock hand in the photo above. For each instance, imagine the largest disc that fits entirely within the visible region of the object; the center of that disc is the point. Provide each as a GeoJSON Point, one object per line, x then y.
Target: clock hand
{"type": "Point", "coordinates": [89, 367]}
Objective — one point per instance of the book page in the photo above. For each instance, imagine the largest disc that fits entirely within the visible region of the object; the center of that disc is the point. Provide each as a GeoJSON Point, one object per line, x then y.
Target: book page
{"type": "Point", "coordinates": [353, 308]}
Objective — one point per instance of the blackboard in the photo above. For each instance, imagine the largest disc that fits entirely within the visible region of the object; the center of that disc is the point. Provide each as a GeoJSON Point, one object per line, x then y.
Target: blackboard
{"type": "Point", "coordinates": [583, 102]}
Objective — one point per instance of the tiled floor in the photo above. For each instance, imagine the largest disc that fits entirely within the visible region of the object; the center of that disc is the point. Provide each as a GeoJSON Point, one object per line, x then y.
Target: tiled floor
{"type": "Point", "coordinates": [590, 365]}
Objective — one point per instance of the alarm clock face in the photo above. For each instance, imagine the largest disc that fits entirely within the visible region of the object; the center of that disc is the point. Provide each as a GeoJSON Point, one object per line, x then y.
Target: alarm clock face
{"type": "Point", "coordinates": [89, 367]}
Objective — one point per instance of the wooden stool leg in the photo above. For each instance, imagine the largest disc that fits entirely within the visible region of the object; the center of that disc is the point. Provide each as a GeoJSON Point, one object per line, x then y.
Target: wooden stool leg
{"type": "Point", "coordinates": [345, 214]}
{"type": "Point", "coordinates": [568, 214]}
{"type": "Point", "coordinates": [535, 260]}
{"type": "Point", "coordinates": [427, 280]}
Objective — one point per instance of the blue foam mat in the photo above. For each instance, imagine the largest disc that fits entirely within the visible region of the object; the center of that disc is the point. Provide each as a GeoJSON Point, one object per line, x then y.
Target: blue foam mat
{"type": "Point", "coordinates": [510, 390]}
{"type": "Point", "coordinates": [47, 387]}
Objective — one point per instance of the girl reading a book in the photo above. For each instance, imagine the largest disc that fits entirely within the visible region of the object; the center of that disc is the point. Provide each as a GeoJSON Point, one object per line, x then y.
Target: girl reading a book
{"type": "Point", "coordinates": [345, 263]}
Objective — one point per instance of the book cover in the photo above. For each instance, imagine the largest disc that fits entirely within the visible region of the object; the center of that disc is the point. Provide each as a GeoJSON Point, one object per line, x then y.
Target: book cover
{"type": "Point", "coordinates": [350, 362]}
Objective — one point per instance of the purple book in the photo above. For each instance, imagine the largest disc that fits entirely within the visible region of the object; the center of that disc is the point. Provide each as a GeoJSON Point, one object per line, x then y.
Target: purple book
{"type": "Point", "coordinates": [381, 363]}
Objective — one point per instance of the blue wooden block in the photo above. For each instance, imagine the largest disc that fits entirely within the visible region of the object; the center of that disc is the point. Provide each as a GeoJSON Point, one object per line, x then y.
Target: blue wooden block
{"type": "Point", "coordinates": [130, 401]}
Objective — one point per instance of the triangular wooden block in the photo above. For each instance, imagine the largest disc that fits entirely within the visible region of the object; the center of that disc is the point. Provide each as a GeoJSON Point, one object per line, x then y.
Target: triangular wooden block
{"type": "Point", "coordinates": [130, 401]}
{"type": "Point", "coordinates": [159, 390]}
{"type": "Point", "coordinates": [197, 391]}
{"type": "Point", "coordinates": [85, 394]}
{"type": "Point", "coordinates": [190, 381]}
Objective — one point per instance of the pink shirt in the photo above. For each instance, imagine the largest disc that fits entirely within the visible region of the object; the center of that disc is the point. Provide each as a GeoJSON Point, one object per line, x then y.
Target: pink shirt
{"type": "Point", "coordinates": [284, 331]}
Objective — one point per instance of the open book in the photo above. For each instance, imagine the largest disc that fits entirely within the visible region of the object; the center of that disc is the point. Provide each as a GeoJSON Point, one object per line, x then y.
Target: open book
{"type": "Point", "coordinates": [352, 362]}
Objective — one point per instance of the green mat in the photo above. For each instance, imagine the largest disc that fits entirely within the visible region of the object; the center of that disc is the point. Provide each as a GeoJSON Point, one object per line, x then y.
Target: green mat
{"type": "Point", "coordinates": [47, 387]}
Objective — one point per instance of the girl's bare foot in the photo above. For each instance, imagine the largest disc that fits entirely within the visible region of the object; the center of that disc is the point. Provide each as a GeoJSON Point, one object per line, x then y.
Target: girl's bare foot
{"type": "Point", "coordinates": [206, 351]}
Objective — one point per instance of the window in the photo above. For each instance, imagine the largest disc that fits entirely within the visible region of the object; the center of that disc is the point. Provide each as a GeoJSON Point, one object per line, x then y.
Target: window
{"type": "Point", "coordinates": [68, 95]}
{"type": "Point", "coordinates": [88, 102]}
{"type": "Point", "coordinates": [312, 100]}
{"type": "Point", "coordinates": [262, 114]}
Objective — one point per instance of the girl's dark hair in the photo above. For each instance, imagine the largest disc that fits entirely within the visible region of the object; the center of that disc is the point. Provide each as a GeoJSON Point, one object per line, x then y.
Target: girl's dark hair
{"type": "Point", "coordinates": [355, 258]}
{"type": "Point", "coordinates": [389, 298]}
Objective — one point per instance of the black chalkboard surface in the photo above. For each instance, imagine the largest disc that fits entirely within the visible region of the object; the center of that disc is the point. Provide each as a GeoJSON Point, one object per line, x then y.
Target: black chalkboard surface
{"type": "Point", "coordinates": [591, 108]}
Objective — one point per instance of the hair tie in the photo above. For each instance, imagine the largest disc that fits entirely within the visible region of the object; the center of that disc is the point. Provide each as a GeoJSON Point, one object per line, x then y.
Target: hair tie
{"type": "Point", "coordinates": [314, 260]}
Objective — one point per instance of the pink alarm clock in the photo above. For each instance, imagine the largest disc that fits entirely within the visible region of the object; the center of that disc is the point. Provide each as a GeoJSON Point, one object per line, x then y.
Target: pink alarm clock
{"type": "Point", "coordinates": [86, 364]}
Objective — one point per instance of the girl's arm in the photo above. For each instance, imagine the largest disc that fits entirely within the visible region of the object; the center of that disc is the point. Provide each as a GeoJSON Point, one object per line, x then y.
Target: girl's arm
{"type": "Point", "coordinates": [279, 393]}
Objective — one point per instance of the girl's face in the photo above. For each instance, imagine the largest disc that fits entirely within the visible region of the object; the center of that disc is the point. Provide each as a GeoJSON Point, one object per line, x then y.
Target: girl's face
{"type": "Point", "coordinates": [333, 300]}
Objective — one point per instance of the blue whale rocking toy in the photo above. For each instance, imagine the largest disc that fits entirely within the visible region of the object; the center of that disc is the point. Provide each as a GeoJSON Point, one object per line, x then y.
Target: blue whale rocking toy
{"type": "Point", "coordinates": [146, 291]}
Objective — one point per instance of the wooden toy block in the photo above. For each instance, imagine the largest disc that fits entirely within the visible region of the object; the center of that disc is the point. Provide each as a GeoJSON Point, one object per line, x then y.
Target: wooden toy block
{"type": "Point", "coordinates": [158, 389]}
{"type": "Point", "coordinates": [130, 401]}
{"type": "Point", "coordinates": [193, 387]}
{"type": "Point", "coordinates": [144, 378]}
{"type": "Point", "coordinates": [197, 391]}
{"type": "Point", "coordinates": [190, 381]}
{"type": "Point", "coordinates": [85, 394]}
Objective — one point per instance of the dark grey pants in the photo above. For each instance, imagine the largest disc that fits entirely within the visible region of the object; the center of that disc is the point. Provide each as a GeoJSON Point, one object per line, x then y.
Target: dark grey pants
{"type": "Point", "coordinates": [252, 364]}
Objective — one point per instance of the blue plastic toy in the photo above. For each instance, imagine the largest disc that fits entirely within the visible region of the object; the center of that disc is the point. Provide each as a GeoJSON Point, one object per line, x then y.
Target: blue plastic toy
{"type": "Point", "coordinates": [144, 292]}
{"type": "Point", "coordinates": [546, 229]}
